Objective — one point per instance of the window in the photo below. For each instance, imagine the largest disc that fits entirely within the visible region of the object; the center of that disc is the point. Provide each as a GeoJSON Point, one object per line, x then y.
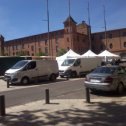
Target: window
{"type": "Point", "coordinates": [56, 40]}
{"type": "Point", "coordinates": [32, 48]}
{"type": "Point", "coordinates": [125, 44]}
{"type": "Point", "coordinates": [31, 65]}
{"type": "Point", "coordinates": [22, 46]}
{"type": "Point", "coordinates": [46, 50]}
{"type": "Point", "coordinates": [101, 36]}
{"type": "Point", "coordinates": [12, 47]}
{"type": "Point", "coordinates": [56, 48]}
{"type": "Point", "coordinates": [67, 30]}
{"type": "Point", "coordinates": [77, 62]}
{"type": "Point", "coordinates": [68, 48]}
{"type": "Point", "coordinates": [39, 49]}
{"type": "Point", "coordinates": [101, 47]}
{"type": "Point", "coordinates": [78, 39]}
{"type": "Point", "coordinates": [124, 33]}
{"type": "Point", "coordinates": [110, 46]}
{"type": "Point", "coordinates": [45, 42]}
{"type": "Point", "coordinates": [110, 35]}
{"type": "Point", "coordinates": [67, 39]}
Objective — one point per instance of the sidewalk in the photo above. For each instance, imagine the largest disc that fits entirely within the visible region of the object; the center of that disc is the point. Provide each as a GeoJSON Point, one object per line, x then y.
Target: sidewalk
{"type": "Point", "coordinates": [100, 112]}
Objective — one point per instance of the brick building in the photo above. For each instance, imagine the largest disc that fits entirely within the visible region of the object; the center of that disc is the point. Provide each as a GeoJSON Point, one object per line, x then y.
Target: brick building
{"type": "Point", "coordinates": [115, 41]}
{"type": "Point", "coordinates": [74, 36]}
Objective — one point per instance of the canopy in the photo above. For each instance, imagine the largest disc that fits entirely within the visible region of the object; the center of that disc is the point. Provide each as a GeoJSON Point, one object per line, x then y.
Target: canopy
{"type": "Point", "coordinates": [106, 54]}
{"type": "Point", "coordinates": [69, 54]}
{"type": "Point", "coordinates": [89, 53]}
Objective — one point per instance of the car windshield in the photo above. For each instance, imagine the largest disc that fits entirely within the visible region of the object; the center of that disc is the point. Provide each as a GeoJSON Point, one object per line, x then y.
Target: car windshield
{"type": "Point", "coordinates": [68, 62]}
{"type": "Point", "coordinates": [19, 64]}
{"type": "Point", "coordinates": [106, 70]}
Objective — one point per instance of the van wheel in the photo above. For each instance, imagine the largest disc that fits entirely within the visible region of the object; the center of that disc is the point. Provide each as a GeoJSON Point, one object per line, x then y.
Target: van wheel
{"type": "Point", "coordinates": [74, 74]}
{"type": "Point", "coordinates": [120, 88]}
{"type": "Point", "coordinates": [25, 80]}
{"type": "Point", "coordinates": [52, 77]}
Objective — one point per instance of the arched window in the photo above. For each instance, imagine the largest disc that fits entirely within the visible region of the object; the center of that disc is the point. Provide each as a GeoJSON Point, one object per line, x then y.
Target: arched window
{"type": "Point", "coordinates": [110, 46]}
{"type": "Point", "coordinates": [125, 44]}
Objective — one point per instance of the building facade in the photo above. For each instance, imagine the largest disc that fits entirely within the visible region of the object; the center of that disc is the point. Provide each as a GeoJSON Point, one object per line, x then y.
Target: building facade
{"type": "Point", "coordinates": [74, 36]}
{"type": "Point", "coordinates": [115, 41]}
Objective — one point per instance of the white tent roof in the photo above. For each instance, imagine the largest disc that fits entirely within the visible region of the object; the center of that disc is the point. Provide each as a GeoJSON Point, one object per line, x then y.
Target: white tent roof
{"type": "Point", "coordinates": [108, 54]}
{"type": "Point", "coordinates": [69, 54]}
{"type": "Point", "coordinates": [89, 53]}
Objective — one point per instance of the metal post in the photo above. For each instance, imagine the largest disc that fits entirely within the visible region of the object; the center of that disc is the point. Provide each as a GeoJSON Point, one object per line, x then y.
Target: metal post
{"type": "Point", "coordinates": [7, 83]}
{"type": "Point", "coordinates": [2, 105]}
{"type": "Point", "coordinates": [87, 95]}
{"type": "Point", "coordinates": [67, 77]}
{"type": "Point", "coordinates": [47, 96]}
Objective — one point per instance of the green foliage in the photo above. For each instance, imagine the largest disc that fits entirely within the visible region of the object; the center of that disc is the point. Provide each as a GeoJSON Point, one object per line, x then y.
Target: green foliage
{"type": "Point", "coordinates": [41, 54]}
{"type": "Point", "coordinates": [61, 52]}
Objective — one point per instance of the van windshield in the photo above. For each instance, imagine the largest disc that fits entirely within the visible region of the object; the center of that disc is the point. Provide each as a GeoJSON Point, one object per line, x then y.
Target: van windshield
{"type": "Point", "coordinates": [19, 64]}
{"type": "Point", "coordinates": [68, 62]}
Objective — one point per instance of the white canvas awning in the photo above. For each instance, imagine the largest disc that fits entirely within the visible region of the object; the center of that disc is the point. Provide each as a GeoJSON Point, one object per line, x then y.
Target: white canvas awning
{"type": "Point", "coordinates": [89, 53]}
{"type": "Point", "coordinates": [69, 54]}
{"type": "Point", "coordinates": [106, 54]}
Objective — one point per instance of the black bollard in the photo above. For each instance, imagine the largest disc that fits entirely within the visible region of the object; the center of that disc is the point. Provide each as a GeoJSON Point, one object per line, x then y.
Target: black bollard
{"type": "Point", "coordinates": [67, 77]}
{"type": "Point", "coordinates": [2, 105]}
{"type": "Point", "coordinates": [7, 83]}
{"type": "Point", "coordinates": [47, 96]}
{"type": "Point", "coordinates": [87, 95]}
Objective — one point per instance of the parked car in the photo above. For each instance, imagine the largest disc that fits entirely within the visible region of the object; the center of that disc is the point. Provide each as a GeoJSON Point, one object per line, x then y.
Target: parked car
{"type": "Point", "coordinates": [107, 78]}
{"type": "Point", "coordinates": [27, 70]}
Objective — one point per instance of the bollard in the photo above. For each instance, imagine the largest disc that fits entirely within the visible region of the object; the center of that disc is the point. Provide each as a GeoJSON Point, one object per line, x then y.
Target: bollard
{"type": "Point", "coordinates": [67, 77]}
{"type": "Point", "coordinates": [47, 96]}
{"type": "Point", "coordinates": [2, 105]}
{"type": "Point", "coordinates": [7, 83]}
{"type": "Point", "coordinates": [87, 95]}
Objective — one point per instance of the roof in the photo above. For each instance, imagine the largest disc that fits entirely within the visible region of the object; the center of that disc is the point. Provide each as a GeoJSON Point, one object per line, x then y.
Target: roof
{"type": "Point", "coordinates": [70, 19]}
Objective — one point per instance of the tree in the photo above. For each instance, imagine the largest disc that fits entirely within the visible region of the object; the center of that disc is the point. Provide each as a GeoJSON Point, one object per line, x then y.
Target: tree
{"type": "Point", "coordinates": [61, 52]}
{"type": "Point", "coordinates": [41, 54]}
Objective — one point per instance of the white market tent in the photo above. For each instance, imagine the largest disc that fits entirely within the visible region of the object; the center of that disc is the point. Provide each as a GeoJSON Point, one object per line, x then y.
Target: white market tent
{"type": "Point", "coordinates": [106, 54]}
{"type": "Point", "coordinates": [89, 53]}
{"type": "Point", "coordinates": [69, 54]}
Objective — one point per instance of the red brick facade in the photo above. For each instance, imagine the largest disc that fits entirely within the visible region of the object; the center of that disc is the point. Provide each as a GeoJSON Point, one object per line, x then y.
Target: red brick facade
{"type": "Point", "coordinates": [73, 36]}
{"type": "Point", "coordinates": [115, 41]}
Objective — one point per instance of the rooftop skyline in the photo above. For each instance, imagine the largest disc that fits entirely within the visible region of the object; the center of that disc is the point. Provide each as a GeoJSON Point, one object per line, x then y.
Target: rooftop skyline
{"type": "Point", "coordinates": [21, 18]}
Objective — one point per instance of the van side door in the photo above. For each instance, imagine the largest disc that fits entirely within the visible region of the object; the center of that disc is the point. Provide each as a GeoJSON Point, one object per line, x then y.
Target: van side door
{"type": "Point", "coordinates": [77, 66]}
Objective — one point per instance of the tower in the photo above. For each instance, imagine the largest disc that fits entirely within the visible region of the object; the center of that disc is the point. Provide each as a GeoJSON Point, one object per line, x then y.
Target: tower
{"type": "Point", "coordinates": [69, 30]}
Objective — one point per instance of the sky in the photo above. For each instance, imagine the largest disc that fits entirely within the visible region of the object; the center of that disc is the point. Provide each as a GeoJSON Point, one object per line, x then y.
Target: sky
{"type": "Point", "coordinates": [21, 18]}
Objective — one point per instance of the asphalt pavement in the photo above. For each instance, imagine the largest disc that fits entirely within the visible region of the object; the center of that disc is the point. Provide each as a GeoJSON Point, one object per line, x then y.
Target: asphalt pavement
{"type": "Point", "coordinates": [67, 112]}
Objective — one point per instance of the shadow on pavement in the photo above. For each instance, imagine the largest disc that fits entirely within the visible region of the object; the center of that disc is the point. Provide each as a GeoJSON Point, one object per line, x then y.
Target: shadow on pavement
{"type": "Point", "coordinates": [108, 94]}
{"type": "Point", "coordinates": [97, 114]}
{"type": "Point", "coordinates": [39, 82]}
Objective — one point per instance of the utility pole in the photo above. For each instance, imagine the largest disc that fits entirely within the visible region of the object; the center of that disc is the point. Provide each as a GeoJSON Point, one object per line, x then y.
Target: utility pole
{"type": "Point", "coordinates": [48, 28]}
{"type": "Point", "coordinates": [70, 26]}
{"type": "Point", "coordinates": [89, 31]}
{"type": "Point", "coordinates": [105, 26]}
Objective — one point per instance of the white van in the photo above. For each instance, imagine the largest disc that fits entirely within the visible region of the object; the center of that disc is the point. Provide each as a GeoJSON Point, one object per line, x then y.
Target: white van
{"type": "Point", "coordinates": [73, 67]}
{"type": "Point", "coordinates": [25, 71]}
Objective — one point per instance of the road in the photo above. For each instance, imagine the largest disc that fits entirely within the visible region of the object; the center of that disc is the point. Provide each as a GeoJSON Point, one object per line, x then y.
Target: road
{"type": "Point", "coordinates": [71, 89]}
